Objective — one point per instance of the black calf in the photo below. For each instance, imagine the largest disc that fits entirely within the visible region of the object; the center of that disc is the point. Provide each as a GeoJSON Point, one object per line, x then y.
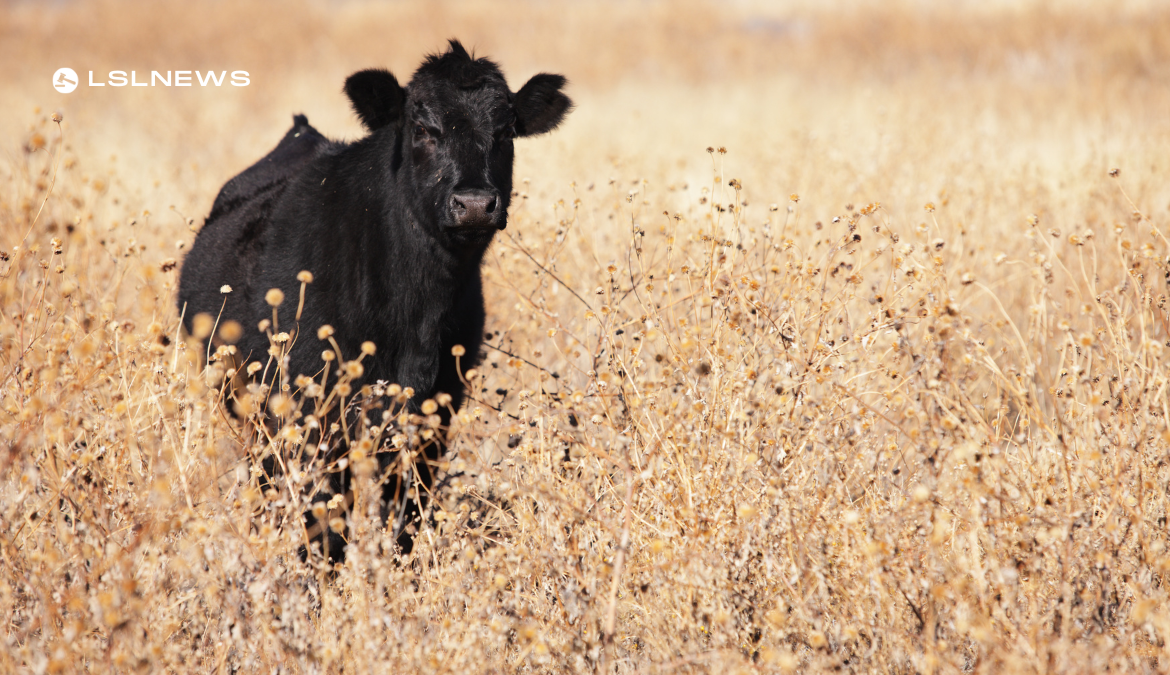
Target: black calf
{"type": "Point", "coordinates": [392, 228]}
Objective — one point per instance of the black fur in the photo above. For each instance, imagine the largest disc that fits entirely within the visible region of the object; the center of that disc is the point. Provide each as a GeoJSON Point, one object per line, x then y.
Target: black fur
{"type": "Point", "coordinates": [540, 105]}
{"type": "Point", "coordinates": [393, 226]}
{"type": "Point", "coordinates": [377, 99]}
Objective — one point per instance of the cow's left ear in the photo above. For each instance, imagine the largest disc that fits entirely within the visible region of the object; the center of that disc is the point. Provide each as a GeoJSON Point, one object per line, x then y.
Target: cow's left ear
{"type": "Point", "coordinates": [377, 97]}
{"type": "Point", "coordinates": [540, 105]}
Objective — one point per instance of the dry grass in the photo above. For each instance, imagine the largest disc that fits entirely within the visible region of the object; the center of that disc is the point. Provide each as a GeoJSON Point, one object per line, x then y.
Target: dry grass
{"type": "Point", "coordinates": [882, 388]}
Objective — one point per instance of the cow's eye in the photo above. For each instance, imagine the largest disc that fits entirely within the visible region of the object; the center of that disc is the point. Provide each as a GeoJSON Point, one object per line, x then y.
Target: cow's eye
{"type": "Point", "coordinates": [420, 131]}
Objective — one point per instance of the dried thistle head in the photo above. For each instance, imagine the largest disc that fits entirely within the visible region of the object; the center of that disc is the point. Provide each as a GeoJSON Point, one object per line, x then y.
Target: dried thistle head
{"type": "Point", "coordinates": [202, 325]}
{"type": "Point", "coordinates": [230, 331]}
{"type": "Point", "coordinates": [274, 297]}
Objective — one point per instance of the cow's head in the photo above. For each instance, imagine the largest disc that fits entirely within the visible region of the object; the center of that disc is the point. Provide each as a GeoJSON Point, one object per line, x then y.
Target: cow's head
{"type": "Point", "coordinates": [456, 121]}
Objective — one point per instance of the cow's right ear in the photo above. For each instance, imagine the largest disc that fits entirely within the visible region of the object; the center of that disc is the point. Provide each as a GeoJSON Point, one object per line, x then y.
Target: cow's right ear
{"type": "Point", "coordinates": [540, 105]}
{"type": "Point", "coordinates": [377, 97]}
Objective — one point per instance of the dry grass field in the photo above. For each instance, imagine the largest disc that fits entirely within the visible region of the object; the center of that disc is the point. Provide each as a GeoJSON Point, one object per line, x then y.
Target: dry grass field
{"type": "Point", "coordinates": [823, 337]}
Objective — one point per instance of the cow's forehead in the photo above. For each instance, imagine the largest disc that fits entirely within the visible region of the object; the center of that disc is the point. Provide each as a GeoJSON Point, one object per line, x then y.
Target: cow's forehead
{"type": "Point", "coordinates": [457, 85]}
{"type": "Point", "coordinates": [483, 103]}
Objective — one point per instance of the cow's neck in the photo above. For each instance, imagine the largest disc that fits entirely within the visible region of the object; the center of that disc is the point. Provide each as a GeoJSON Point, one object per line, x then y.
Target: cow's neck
{"type": "Point", "coordinates": [418, 269]}
{"type": "Point", "coordinates": [404, 258]}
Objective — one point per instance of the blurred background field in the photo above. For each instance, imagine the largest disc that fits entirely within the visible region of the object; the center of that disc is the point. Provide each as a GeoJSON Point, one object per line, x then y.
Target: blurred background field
{"type": "Point", "coordinates": [884, 390]}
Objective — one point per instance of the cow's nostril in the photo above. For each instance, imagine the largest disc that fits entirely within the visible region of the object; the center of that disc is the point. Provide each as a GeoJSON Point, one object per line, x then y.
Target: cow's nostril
{"type": "Point", "coordinates": [475, 208]}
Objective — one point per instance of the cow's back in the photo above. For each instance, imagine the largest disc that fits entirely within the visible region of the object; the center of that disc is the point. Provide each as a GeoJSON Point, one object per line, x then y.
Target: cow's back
{"type": "Point", "coordinates": [299, 146]}
{"type": "Point", "coordinates": [227, 248]}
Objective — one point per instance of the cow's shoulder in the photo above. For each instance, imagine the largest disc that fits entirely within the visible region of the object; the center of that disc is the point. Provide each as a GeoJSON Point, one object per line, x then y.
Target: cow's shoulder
{"type": "Point", "coordinates": [299, 147]}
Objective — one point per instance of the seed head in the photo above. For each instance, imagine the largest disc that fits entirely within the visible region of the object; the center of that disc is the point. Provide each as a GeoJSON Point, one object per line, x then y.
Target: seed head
{"type": "Point", "coordinates": [429, 407]}
{"type": "Point", "coordinates": [324, 332]}
{"type": "Point", "coordinates": [201, 325]}
{"type": "Point", "coordinates": [225, 289]}
{"type": "Point", "coordinates": [458, 350]}
{"type": "Point", "coordinates": [368, 348]}
{"type": "Point", "coordinates": [305, 277]}
{"type": "Point", "coordinates": [274, 297]}
{"type": "Point", "coordinates": [280, 404]}
{"type": "Point", "coordinates": [231, 331]}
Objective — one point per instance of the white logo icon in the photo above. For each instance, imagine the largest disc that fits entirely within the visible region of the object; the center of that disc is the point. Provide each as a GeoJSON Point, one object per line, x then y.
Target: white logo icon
{"type": "Point", "coordinates": [65, 80]}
